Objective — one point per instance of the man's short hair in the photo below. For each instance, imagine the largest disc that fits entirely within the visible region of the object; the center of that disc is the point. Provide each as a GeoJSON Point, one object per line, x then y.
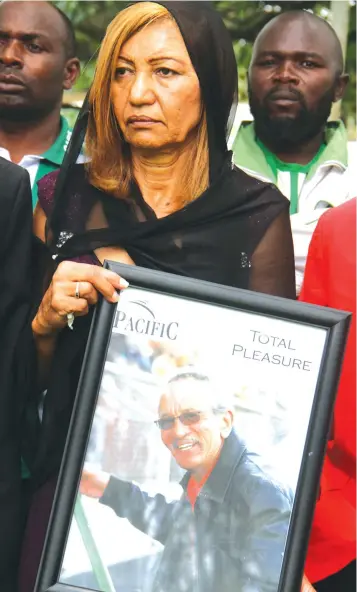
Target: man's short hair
{"type": "Point", "coordinates": [70, 43]}
{"type": "Point", "coordinates": [304, 13]}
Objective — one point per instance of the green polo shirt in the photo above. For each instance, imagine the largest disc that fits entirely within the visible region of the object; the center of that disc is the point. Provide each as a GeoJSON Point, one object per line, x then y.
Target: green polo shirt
{"type": "Point", "coordinates": [294, 170]}
{"type": "Point", "coordinates": [51, 160]}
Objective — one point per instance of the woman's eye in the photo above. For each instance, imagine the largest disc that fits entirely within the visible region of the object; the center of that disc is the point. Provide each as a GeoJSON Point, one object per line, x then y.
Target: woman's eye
{"type": "Point", "coordinates": [166, 72]}
{"type": "Point", "coordinates": [120, 72]}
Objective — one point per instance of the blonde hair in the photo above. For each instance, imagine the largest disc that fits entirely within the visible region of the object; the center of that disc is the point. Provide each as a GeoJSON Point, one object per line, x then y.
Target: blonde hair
{"type": "Point", "coordinates": [110, 167]}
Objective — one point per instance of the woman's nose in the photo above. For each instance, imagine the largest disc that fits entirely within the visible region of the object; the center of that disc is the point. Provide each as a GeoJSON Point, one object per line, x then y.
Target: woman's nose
{"type": "Point", "coordinates": [141, 91]}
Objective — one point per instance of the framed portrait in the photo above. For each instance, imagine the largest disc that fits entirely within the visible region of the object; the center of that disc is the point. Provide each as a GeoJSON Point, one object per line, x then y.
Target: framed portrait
{"type": "Point", "coordinates": [196, 442]}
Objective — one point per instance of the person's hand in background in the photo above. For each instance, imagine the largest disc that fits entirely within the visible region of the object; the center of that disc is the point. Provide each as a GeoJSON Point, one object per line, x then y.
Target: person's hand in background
{"type": "Point", "coordinates": [306, 586]}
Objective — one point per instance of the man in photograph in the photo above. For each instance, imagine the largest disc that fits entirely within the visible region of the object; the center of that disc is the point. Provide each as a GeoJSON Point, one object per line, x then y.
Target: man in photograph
{"type": "Point", "coordinates": [228, 531]}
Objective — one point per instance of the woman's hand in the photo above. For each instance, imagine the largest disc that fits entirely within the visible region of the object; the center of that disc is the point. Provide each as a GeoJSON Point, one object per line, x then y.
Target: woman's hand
{"type": "Point", "coordinates": [61, 299]}
{"type": "Point", "coordinates": [93, 483]}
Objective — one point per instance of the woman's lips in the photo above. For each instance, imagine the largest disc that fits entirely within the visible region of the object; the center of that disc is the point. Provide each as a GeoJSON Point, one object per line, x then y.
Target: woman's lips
{"type": "Point", "coordinates": [143, 123]}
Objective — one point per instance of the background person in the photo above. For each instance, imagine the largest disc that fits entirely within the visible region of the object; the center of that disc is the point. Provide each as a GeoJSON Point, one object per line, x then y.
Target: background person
{"type": "Point", "coordinates": [295, 75]}
{"type": "Point", "coordinates": [158, 191]}
{"type": "Point", "coordinates": [228, 531]}
{"type": "Point", "coordinates": [37, 62]}
{"type": "Point", "coordinates": [330, 280]}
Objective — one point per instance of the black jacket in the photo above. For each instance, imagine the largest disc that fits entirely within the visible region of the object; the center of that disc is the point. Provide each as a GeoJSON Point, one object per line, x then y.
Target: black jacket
{"type": "Point", "coordinates": [15, 290]}
{"type": "Point", "coordinates": [234, 539]}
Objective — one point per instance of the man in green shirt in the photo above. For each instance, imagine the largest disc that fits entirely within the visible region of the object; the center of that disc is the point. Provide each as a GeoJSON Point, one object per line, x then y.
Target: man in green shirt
{"type": "Point", "coordinates": [37, 63]}
{"type": "Point", "coordinates": [295, 75]}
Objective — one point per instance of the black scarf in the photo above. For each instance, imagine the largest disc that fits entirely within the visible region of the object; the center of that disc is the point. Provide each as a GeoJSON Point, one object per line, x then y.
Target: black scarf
{"type": "Point", "coordinates": [210, 48]}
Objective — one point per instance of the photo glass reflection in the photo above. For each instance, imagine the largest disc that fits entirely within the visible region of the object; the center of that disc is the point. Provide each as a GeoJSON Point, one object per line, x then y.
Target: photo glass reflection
{"type": "Point", "coordinates": [195, 449]}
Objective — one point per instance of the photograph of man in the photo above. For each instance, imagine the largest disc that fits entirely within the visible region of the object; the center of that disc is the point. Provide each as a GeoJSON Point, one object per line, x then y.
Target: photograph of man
{"type": "Point", "coordinates": [228, 531]}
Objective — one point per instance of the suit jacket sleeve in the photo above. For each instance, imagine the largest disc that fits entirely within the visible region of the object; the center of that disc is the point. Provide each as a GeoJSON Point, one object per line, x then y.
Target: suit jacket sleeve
{"type": "Point", "coordinates": [15, 279]}
{"type": "Point", "coordinates": [18, 354]}
{"type": "Point", "coordinates": [15, 241]}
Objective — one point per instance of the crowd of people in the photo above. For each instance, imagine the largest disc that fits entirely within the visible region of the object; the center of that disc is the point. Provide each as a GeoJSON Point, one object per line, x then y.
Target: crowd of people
{"type": "Point", "coordinates": [155, 185]}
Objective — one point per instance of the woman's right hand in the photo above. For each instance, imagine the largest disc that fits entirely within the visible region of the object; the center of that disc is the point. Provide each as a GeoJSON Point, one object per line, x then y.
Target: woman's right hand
{"type": "Point", "coordinates": [60, 298]}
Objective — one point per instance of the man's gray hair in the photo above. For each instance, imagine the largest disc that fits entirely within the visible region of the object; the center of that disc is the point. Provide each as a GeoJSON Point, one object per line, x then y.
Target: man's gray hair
{"type": "Point", "coordinates": [222, 401]}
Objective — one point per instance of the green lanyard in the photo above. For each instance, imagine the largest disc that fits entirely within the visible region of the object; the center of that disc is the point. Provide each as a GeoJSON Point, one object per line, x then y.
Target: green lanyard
{"type": "Point", "coordinates": [294, 192]}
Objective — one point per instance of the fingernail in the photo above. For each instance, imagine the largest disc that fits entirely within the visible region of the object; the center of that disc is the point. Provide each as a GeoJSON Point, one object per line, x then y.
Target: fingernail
{"type": "Point", "coordinates": [123, 283]}
{"type": "Point", "coordinates": [115, 296]}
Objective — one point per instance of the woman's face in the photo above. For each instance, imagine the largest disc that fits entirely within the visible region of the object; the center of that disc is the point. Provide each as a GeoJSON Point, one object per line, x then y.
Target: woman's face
{"type": "Point", "coordinates": [155, 93]}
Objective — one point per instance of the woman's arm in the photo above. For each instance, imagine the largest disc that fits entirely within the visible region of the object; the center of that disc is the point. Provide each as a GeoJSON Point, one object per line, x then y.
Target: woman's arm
{"type": "Point", "coordinates": [60, 299]}
{"type": "Point", "coordinates": [273, 268]}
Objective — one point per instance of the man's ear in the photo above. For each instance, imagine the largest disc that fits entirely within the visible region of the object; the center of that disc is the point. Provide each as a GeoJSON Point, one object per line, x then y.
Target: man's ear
{"type": "Point", "coordinates": [227, 424]}
{"type": "Point", "coordinates": [340, 87]}
{"type": "Point", "coordinates": [71, 73]}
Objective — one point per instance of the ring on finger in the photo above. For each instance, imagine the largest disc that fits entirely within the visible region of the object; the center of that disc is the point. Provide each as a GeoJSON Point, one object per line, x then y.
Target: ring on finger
{"type": "Point", "coordinates": [77, 290]}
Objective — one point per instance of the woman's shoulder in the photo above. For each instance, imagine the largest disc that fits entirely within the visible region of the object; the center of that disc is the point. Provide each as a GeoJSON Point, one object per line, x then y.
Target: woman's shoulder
{"type": "Point", "coordinates": [256, 190]}
{"type": "Point", "coordinates": [76, 184]}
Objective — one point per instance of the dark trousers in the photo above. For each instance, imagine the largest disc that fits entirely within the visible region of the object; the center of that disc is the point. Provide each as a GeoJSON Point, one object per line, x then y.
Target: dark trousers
{"type": "Point", "coordinates": [342, 581]}
{"type": "Point", "coordinates": [11, 516]}
{"type": "Point", "coordinates": [34, 537]}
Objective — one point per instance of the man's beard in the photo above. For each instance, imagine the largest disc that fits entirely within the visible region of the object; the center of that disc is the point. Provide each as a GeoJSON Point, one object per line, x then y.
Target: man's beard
{"type": "Point", "coordinates": [24, 112]}
{"type": "Point", "coordinates": [284, 133]}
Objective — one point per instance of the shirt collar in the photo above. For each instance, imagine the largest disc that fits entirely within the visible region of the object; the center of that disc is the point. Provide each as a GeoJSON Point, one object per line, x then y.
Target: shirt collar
{"type": "Point", "coordinates": [56, 152]}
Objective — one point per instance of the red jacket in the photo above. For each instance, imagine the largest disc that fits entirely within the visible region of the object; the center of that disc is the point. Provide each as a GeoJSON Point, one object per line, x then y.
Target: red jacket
{"type": "Point", "coordinates": [330, 280]}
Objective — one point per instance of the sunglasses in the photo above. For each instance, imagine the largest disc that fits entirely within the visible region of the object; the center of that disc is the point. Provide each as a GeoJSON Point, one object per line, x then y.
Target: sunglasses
{"type": "Point", "coordinates": [187, 418]}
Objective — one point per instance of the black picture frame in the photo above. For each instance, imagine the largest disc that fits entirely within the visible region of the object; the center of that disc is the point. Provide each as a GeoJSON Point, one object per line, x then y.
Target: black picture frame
{"type": "Point", "coordinates": [335, 323]}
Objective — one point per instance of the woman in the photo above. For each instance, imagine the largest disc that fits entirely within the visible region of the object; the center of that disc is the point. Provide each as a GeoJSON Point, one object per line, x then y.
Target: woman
{"type": "Point", "coordinates": [159, 191]}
